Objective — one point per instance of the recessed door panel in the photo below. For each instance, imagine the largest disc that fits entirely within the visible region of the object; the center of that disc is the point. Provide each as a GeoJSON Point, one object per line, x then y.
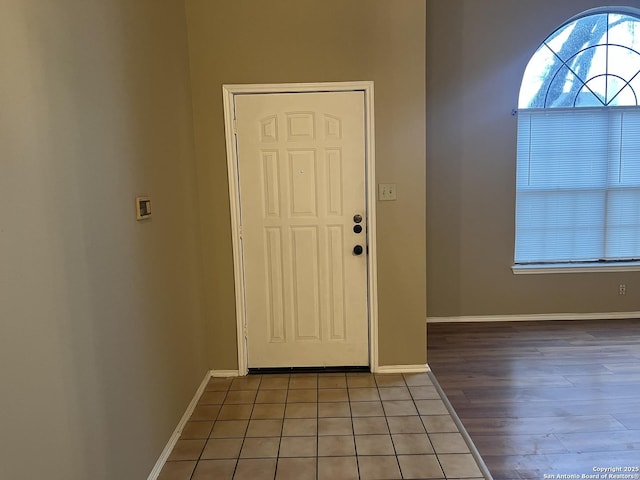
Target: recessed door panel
{"type": "Point", "coordinates": [303, 182]}
{"type": "Point", "coordinates": [274, 285]}
{"type": "Point", "coordinates": [301, 126]}
{"type": "Point", "coordinates": [271, 183]}
{"type": "Point", "coordinates": [333, 161]}
{"type": "Point", "coordinates": [305, 283]}
{"type": "Point", "coordinates": [336, 287]}
{"type": "Point", "coordinates": [269, 129]}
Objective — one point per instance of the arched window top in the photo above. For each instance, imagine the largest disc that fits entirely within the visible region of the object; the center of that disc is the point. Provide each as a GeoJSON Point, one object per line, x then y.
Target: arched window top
{"type": "Point", "coordinates": [593, 60]}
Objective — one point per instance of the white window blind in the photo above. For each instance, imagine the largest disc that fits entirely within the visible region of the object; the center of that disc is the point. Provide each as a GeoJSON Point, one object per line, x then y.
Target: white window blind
{"type": "Point", "coordinates": [578, 185]}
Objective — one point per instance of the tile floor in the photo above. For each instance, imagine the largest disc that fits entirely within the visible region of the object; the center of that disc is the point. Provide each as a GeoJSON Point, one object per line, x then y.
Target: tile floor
{"type": "Point", "coordinates": [325, 426]}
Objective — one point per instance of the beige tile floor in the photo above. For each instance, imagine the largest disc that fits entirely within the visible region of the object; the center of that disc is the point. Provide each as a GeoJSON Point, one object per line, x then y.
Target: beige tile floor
{"type": "Point", "coordinates": [329, 426]}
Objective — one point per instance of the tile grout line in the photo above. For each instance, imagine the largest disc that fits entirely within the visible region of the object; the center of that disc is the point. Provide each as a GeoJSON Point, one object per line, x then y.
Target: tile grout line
{"type": "Point", "coordinates": [435, 452]}
{"type": "Point", "coordinates": [211, 430]}
{"type": "Point", "coordinates": [317, 427]}
{"type": "Point", "coordinates": [286, 398]}
{"type": "Point", "coordinates": [461, 429]}
{"type": "Point", "coordinates": [353, 430]}
{"type": "Point", "coordinates": [244, 437]}
{"type": "Point", "coordinates": [235, 468]}
{"type": "Point", "coordinates": [386, 419]}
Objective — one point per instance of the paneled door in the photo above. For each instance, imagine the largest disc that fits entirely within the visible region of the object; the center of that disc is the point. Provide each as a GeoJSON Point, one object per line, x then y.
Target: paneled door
{"type": "Point", "coordinates": [301, 167]}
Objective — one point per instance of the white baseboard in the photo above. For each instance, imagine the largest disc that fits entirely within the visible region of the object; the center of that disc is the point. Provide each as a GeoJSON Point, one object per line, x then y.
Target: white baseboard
{"type": "Point", "coordinates": [535, 317]}
{"type": "Point", "coordinates": [176, 433]}
{"type": "Point", "coordinates": [403, 369]}
{"type": "Point", "coordinates": [225, 373]}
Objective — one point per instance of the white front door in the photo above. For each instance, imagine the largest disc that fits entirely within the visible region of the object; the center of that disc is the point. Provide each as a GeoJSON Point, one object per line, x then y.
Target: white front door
{"type": "Point", "coordinates": [301, 167]}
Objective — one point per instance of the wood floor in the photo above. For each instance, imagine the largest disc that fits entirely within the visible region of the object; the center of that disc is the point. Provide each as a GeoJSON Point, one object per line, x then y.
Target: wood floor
{"type": "Point", "coordinates": [557, 398]}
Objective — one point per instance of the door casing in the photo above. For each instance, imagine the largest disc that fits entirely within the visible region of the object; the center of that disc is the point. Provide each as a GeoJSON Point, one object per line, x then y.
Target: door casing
{"type": "Point", "coordinates": [229, 92]}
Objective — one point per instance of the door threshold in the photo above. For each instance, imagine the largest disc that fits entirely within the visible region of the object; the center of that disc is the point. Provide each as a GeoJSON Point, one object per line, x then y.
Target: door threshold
{"type": "Point", "coordinates": [283, 370]}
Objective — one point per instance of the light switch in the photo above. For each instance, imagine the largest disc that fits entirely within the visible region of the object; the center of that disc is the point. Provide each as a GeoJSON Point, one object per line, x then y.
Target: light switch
{"type": "Point", "coordinates": [143, 208]}
{"type": "Point", "coordinates": [386, 192]}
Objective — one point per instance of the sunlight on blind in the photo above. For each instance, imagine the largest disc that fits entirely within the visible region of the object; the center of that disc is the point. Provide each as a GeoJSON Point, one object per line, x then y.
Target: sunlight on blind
{"type": "Point", "coordinates": [578, 185]}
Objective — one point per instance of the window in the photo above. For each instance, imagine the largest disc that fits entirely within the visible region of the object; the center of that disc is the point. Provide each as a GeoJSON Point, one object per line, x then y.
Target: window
{"type": "Point", "coordinates": [578, 158]}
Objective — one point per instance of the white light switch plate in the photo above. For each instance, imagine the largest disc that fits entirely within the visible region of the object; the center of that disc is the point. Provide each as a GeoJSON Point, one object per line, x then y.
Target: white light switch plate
{"type": "Point", "coordinates": [386, 192]}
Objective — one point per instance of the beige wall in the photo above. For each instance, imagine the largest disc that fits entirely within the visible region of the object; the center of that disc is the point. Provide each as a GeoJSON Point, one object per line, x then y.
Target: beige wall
{"type": "Point", "coordinates": [101, 335]}
{"type": "Point", "coordinates": [252, 41]}
{"type": "Point", "coordinates": [104, 327]}
{"type": "Point", "coordinates": [476, 55]}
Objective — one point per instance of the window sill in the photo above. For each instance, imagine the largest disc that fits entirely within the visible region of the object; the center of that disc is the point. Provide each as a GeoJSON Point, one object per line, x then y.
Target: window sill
{"type": "Point", "coordinates": [575, 268]}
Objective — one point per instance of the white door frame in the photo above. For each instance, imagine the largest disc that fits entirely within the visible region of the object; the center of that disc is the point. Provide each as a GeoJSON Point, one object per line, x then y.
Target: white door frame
{"type": "Point", "coordinates": [229, 92]}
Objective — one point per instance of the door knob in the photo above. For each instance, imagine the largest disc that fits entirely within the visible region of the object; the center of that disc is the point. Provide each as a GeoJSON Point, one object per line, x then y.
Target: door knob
{"type": "Point", "coordinates": [357, 218]}
{"type": "Point", "coordinates": [357, 229]}
{"type": "Point", "coordinates": [357, 250]}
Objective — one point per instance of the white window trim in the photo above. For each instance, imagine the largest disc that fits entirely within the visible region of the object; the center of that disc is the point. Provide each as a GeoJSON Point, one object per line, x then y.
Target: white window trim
{"type": "Point", "coordinates": [587, 267]}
